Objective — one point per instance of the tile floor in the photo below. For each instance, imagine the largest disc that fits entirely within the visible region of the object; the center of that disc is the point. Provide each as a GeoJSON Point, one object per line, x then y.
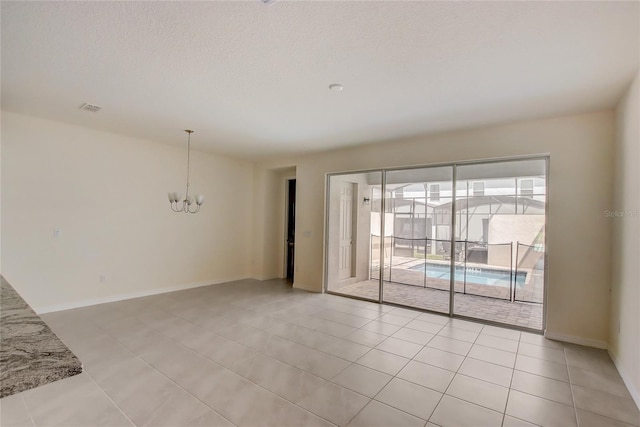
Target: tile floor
{"type": "Point", "coordinates": [262, 354]}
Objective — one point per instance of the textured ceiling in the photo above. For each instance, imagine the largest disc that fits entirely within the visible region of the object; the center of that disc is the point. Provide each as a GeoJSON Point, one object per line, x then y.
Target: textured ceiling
{"type": "Point", "coordinates": [252, 80]}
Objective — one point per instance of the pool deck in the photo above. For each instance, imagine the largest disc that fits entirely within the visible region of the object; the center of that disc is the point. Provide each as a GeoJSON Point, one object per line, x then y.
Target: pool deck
{"type": "Point", "coordinates": [519, 314]}
{"type": "Point", "coordinates": [403, 272]}
{"type": "Point", "coordinates": [407, 286]}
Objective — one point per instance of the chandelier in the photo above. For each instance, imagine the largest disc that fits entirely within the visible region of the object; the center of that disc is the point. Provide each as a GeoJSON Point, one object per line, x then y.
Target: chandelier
{"type": "Point", "coordinates": [174, 198]}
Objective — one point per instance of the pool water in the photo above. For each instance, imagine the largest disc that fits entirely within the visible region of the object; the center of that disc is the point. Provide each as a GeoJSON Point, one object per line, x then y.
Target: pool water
{"type": "Point", "coordinates": [478, 276]}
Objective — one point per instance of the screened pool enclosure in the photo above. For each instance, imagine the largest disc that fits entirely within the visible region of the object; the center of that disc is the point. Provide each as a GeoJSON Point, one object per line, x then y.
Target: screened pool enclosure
{"type": "Point", "coordinates": [462, 239]}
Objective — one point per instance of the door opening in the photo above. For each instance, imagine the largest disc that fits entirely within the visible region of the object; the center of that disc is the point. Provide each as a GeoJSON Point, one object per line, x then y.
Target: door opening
{"type": "Point", "coordinates": [291, 228]}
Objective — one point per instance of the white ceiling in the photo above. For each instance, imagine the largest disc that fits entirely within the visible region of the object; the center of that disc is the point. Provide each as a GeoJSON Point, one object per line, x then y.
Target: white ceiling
{"type": "Point", "coordinates": [252, 80]}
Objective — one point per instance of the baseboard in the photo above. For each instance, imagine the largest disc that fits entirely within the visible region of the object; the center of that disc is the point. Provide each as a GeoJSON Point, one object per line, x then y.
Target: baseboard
{"type": "Point", "coordinates": [576, 340]}
{"type": "Point", "coordinates": [263, 278]}
{"type": "Point", "coordinates": [635, 395]}
{"type": "Point", "coordinates": [304, 287]}
{"type": "Point", "coordinates": [131, 295]}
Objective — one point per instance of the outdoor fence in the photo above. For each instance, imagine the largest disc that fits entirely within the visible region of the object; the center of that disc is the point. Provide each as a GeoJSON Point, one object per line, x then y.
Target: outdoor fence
{"type": "Point", "coordinates": [507, 271]}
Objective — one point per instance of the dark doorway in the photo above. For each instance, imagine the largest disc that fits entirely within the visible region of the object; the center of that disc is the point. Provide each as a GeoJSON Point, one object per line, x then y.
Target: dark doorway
{"type": "Point", "coordinates": [291, 227]}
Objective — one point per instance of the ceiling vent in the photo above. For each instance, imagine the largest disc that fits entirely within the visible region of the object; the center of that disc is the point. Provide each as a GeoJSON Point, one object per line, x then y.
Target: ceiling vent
{"type": "Point", "coordinates": [90, 108]}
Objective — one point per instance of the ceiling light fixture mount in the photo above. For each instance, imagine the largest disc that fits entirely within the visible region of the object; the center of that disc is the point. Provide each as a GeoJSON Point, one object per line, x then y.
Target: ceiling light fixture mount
{"type": "Point", "coordinates": [336, 87]}
{"type": "Point", "coordinates": [174, 198]}
{"type": "Point", "coordinates": [91, 108]}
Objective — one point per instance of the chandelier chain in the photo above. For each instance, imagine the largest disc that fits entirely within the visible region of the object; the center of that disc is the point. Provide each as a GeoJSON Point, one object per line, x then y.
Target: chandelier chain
{"type": "Point", "coordinates": [188, 160]}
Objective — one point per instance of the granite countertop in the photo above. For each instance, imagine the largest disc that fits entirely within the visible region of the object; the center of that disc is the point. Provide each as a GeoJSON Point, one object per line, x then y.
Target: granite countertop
{"type": "Point", "coordinates": [30, 353]}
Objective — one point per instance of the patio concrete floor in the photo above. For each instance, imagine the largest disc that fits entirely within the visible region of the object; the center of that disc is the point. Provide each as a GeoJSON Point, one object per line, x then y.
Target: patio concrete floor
{"type": "Point", "coordinates": [528, 315]}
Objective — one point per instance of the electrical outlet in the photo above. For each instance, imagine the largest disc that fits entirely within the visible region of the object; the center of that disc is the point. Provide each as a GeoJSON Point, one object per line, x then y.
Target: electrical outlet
{"type": "Point", "coordinates": [103, 278]}
{"type": "Point", "coordinates": [57, 233]}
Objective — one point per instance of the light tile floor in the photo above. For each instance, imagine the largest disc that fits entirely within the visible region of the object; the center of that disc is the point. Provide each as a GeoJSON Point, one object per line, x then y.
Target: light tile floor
{"type": "Point", "coordinates": [254, 353]}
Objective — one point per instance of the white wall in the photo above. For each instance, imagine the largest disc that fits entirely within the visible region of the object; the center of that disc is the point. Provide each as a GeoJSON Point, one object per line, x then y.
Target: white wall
{"type": "Point", "coordinates": [512, 228]}
{"type": "Point", "coordinates": [107, 194]}
{"type": "Point", "coordinates": [581, 149]}
{"type": "Point", "coordinates": [625, 248]}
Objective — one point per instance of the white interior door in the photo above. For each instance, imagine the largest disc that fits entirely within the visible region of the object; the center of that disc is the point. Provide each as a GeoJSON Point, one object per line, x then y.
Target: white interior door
{"type": "Point", "coordinates": [345, 262]}
{"type": "Point", "coordinates": [351, 241]}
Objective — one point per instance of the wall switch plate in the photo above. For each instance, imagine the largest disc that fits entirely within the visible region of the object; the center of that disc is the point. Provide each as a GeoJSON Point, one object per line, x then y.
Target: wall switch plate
{"type": "Point", "coordinates": [57, 233]}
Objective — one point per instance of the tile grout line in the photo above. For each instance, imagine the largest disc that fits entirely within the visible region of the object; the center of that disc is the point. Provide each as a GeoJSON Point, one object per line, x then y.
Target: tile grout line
{"type": "Point", "coordinates": [111, 400]}
{"type": "Point", "coordinates": [506, 404]}
{"type": "Point", "coordinates": [24, 402]}
{"type": "Point", "coordinates": [573, 398]}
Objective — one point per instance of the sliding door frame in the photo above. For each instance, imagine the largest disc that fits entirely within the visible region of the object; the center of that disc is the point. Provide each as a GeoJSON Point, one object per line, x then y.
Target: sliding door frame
{"type": "Point", "coordinates": [543, 156]}
{"type": "Point", "coordinates": [383, 221]}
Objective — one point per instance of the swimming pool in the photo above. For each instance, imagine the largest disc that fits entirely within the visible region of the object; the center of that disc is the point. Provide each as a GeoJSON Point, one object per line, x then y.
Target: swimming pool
{"type": "Point", "coordinates": [476, 275]}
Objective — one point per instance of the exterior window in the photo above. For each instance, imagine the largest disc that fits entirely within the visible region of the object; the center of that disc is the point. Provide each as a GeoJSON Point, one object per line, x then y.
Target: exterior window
{"type": "Point", "coordinates": [526, 188]}
{"type": "Point", "coordinates": [478, 188]}
{"type": "Point", "coordinates": [434, 192]}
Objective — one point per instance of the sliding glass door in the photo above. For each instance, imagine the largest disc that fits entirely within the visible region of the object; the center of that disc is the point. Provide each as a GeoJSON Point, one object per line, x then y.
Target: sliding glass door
{"type": "Point", "coordinates": [500, 230]}
{"type": "Point", "coordinates": [418, 226]}
{"type": "Point", "coordinates": [461, 239]}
